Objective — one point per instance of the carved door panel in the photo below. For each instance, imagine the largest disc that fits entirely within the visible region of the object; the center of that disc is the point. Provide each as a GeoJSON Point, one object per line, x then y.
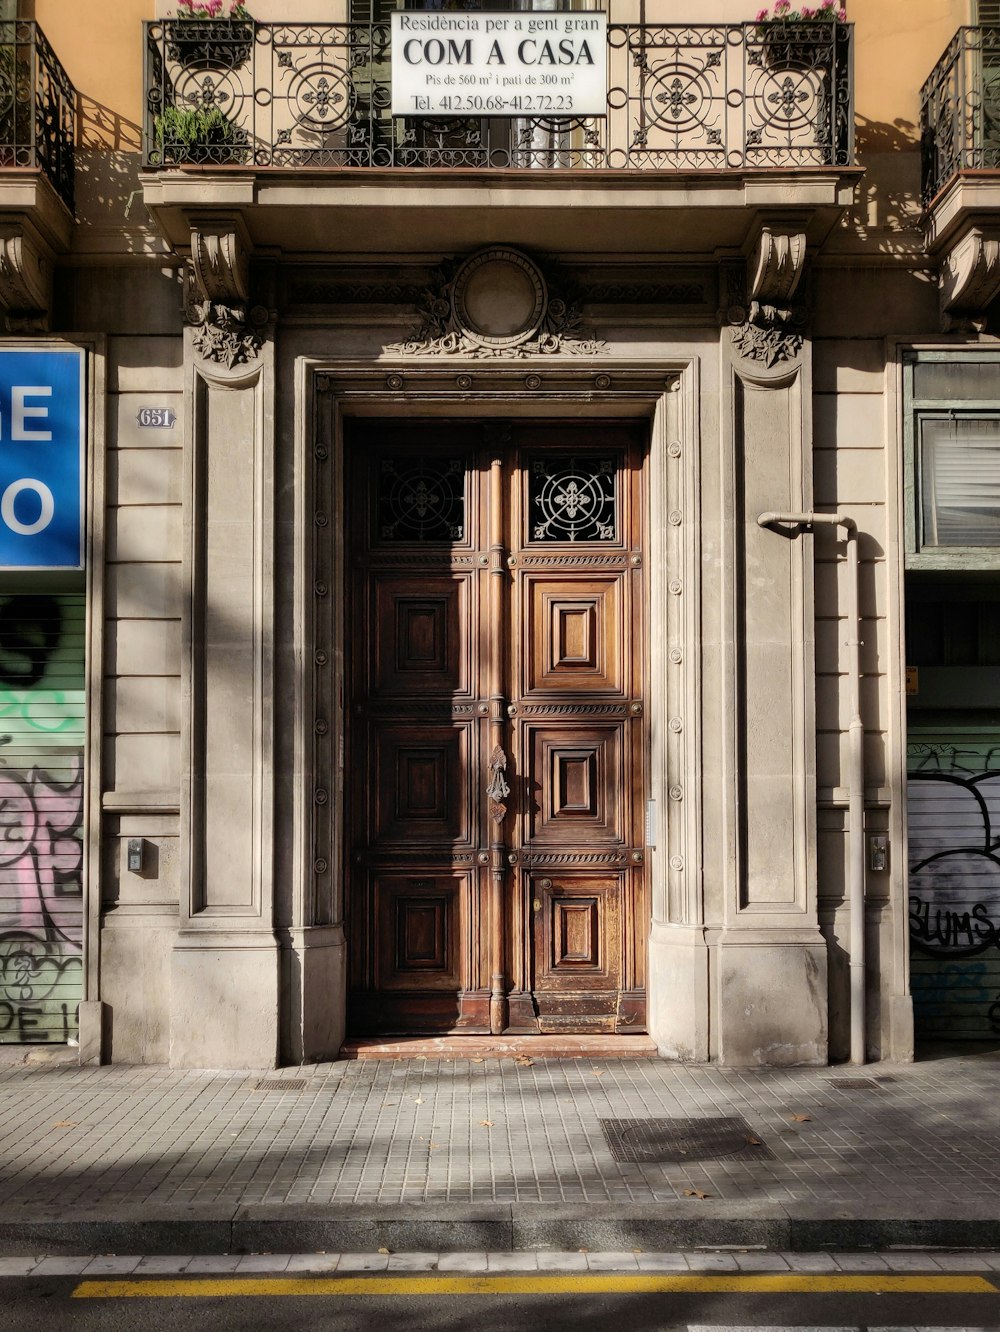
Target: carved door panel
{"type": "Point", "coordinates": [496, 748]}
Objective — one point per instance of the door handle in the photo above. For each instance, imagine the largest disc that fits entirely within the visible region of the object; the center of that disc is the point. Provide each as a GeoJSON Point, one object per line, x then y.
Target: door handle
{"type": "Point", "coordinates": [496, 787]}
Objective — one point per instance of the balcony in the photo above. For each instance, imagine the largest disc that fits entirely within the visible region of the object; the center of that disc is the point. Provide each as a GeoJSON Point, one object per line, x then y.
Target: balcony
{"type": "Point", "coordinates": [37, 108]}
{"type": "Point", "coordinates": [960, 143]}
{"type": "Point", "coordinates": [960, 110]}
{"type": "Point", "coordinates": [698, 117]}
{"type": "Point", "coordinates": [37, 140]}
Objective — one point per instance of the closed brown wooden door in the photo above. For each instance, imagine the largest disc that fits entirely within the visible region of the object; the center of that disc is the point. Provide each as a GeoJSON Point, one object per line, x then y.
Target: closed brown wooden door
{"type": "Point", "coordinates": [496, 747]}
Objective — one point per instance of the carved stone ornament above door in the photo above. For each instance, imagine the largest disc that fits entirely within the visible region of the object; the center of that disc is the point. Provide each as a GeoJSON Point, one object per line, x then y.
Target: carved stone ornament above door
{"type": "Point", "coordinates": [498, 302]}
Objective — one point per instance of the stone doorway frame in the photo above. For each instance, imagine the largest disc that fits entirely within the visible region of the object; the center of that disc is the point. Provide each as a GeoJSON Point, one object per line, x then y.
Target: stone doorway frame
{"type": "Point", "coordinates": [667, 396]}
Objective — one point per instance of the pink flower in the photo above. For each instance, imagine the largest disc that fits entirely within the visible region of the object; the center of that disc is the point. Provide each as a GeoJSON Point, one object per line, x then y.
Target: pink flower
{"type": "Point", "coordinates": [782, 7]}
{"type": "Point", "coordinates": [841, 15]}
{"type": "Point", "coordinates": [761, 16]}
{"type": "Point", "coordinates": [209, 9]}
{"type": "Point", "coordinates": [807, 13]}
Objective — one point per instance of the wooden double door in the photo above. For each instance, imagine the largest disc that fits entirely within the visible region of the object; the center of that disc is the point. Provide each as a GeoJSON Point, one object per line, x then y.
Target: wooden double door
{"type": "Point", "coordinates": [496, 753]}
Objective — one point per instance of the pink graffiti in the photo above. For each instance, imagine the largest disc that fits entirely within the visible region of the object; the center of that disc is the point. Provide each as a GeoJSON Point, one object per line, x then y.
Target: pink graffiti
{"type": "Point", "coordinates": [41, 851]}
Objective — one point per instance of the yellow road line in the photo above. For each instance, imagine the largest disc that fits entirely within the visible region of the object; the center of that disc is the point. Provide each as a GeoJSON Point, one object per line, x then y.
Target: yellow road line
{"type": "Point", "coordinates": [569, 1284]}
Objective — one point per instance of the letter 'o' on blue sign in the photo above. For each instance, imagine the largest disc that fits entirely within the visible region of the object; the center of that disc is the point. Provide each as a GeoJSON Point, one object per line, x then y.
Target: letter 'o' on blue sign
{"type": "Point", "coordinates": [41, 459]}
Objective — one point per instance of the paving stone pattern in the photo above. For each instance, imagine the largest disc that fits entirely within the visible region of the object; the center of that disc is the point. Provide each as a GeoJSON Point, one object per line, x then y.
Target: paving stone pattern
{"type": "Point", "coordinates": [491, 1130]}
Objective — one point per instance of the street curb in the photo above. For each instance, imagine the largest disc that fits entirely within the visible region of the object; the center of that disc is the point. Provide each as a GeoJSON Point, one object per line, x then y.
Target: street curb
{"type": "Point", "coordinates": [494, 1228]}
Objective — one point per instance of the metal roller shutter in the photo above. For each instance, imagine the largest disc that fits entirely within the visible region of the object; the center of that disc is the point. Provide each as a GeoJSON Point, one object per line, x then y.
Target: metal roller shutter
{"type": "Point", "coordinates": [953, 809]}
{"type": "Point", "coordinates": [41, 815]}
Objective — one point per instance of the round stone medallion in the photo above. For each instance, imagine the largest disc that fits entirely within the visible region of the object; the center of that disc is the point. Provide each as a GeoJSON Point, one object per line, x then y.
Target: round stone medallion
{"type": "Point", "coordinates": [499, 297]}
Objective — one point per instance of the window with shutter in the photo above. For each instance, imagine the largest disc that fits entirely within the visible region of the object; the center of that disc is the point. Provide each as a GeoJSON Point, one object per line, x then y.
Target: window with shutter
{"type": "Point", "coordinates": [960, 481]}
{"type": "Point", "coordinates": [952, 459]}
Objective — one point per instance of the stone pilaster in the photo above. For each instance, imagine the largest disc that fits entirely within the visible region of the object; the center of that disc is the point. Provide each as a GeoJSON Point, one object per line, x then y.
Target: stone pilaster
{"type": "Point", "coordinates": [225, 975]}
{"type": "Point", "coordinates": [770, 986]}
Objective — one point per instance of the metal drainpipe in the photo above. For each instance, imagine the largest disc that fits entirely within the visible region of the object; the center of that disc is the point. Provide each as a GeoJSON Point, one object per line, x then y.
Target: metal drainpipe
{"type": "Point", "coordinates": [856, 767]}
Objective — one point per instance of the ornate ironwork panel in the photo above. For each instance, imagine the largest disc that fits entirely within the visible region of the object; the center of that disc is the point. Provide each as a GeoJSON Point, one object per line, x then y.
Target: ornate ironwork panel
{"type": "Point", "coordinates": [314, 95]}
{"type": "Point", "coordinates": [37, 107]}
{"type": "Point", "coordinates": [573, 498]}
{"type": "Point", "coordinates": [421, 499]}
{"type": "Point", "coordinates": [960, 109]}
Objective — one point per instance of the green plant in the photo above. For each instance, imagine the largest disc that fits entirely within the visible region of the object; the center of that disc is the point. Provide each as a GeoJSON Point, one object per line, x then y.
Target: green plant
{"type": "Point", "coordinates": [197, 135]}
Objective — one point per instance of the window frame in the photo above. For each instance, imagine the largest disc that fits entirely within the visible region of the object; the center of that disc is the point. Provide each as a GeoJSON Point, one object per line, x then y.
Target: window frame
{"type": "Point", "coordinates": [916, 554]}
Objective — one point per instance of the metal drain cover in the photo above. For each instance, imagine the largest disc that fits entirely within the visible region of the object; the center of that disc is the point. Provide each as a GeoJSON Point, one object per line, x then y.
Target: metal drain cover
{"type": "Point", "coordinates": [854, 1084]}
{"type": "Point", "coordinates": [280, 1085]}
{"type": "Point", "coordinates": [680, 1140]}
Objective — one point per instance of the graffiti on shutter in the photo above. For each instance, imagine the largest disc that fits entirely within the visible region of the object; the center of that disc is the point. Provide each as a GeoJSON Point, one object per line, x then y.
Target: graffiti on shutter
{"type": "Point", "coordinates": [41, 815]}
{"type": "Point", "coordinates": [953, 809]}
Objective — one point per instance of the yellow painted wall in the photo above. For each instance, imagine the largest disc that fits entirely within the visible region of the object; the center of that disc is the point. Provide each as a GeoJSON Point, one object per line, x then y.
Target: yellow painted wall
{"type": "Point", "coordinates": [897, 44]}
{"type": "Point", "coordinates": [100, 46]}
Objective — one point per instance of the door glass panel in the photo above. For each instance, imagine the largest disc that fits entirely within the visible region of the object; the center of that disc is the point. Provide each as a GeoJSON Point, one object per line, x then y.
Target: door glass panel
{"type": "Point", "coordinates": [421, 499]}
{"type": "Point", "coordinates": [573, 498]}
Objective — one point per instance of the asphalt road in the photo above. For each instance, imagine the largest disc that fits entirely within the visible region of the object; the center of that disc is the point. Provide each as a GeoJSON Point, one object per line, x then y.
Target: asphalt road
{"type": "Point", "coordinates": [28, 1304]}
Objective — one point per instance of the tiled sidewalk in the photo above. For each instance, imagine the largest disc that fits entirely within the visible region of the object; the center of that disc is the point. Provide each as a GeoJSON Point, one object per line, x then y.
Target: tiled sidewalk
{"type": "Point", "coordinates": [920, 1140]}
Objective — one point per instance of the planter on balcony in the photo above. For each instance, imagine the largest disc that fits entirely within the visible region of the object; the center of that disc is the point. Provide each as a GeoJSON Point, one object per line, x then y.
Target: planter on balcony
{"type": "Point", "coordinates": [198, 138]}
{"type": "Point", "coordinates": [797, 45]}
{"type": "Point", "coordinates": [210, 43]}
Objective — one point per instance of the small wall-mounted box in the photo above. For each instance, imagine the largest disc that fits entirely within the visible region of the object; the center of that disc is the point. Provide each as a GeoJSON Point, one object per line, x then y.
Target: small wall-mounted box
{"type": "Point", "coordinates": [878, 853]}
{"type": "Point", "coordinates": [136, 855]}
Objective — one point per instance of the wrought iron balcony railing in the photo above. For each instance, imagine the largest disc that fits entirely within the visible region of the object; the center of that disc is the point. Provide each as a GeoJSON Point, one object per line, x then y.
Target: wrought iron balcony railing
{"type": "Point", "coordinates": [719, 97]}
{"type": "Point", "coordinates": [37, 107]}
{"type": "Point", "coordinates": [960, 109]}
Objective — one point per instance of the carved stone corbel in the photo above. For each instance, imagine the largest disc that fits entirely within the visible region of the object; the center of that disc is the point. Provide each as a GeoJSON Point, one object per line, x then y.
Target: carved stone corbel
{"type": "Point", "coordinates": [775, 270]}
{"type": "Point", "coordinates": [220, 256]}
{"type": "Point", "coordinates": [228, 330]}
{"type": "Point", "coordinates": [970, 279]}
{"type": "Point", "coordinates": [25, 277]}
{"type": "Point", "coordinates": [769, 328]}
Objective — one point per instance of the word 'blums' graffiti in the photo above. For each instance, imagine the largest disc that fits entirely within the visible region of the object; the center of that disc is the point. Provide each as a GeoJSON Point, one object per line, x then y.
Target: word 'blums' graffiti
{"type": "Point", "coordinates": [954, 807]}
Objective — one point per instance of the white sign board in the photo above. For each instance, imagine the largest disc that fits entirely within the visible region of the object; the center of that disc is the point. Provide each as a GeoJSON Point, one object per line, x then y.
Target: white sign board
{"type": "Point", "coordinates": [509, 64]}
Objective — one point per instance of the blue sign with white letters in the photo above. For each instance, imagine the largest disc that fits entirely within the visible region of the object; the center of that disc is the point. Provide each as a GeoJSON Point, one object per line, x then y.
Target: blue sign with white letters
{"type": "Point", "coordinates": [41, 459]}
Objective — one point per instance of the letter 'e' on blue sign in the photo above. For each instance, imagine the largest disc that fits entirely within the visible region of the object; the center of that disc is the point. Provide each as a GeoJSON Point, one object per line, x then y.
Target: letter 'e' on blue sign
{"type": "Point", "coordinates": [41, 459]}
